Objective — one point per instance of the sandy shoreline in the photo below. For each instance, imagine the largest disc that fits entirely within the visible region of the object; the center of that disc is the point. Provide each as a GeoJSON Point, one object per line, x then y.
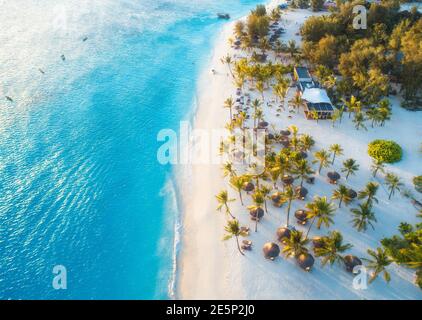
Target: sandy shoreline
{"type": "Point", "coordinates": [211, 269]}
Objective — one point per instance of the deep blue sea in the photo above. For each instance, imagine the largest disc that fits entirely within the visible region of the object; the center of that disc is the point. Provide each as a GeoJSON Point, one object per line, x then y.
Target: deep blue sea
{"type": "Point", "coordinates": [91, 84]}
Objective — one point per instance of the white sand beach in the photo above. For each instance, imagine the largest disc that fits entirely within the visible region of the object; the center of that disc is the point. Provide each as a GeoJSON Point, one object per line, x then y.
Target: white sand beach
{"type": "Point", "coordinates": [213, 269]}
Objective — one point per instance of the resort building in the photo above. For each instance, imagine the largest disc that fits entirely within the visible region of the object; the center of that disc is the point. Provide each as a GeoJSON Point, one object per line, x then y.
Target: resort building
{"type": "Point", "coordinates": [315, 98]}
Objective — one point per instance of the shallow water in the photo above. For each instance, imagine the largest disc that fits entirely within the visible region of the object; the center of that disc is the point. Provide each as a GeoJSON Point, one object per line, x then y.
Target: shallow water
{"type": "Point", "coordinates": [79, 182]}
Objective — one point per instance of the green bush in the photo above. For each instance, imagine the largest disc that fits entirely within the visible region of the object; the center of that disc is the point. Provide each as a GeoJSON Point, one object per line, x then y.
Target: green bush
{"type": "Point", "coordinates": [385, 151]}
{"type": "Point", "coordinates": [417, 181]}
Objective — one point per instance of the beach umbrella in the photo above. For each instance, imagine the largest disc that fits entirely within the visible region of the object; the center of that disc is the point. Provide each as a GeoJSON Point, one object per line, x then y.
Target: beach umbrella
{"type": "Point", "coordinates": [285, 133]}
{"type": "Point", "coordinates": [287, 180]}
{"type": "Point", "coordinates": [271, 250]}
{"type": "Point", "coordinates": [301, 216]}
{"type": "Point", "coordinates": [301, 192]}
{"type": "Point", "coordinates": [270, 136]}
{"type": "Point", "coordinates": [318, 242]}
{"type": "Point", "coordinates": [302, 155]}
{"type": "Point", "coordinates": [257, 213]}
{"type": "Point", "coordinates": [285, 143]}
{"type": "Point", "coordinates": [352, 194]}
{"type": "Point", "coordinates": [248, 186]}
{"type": "Point", "coordinates": [333, 177]}
{"type": "Point", "coordinates": [283, 233]}
{"type": "Point", "coordinates": [305, 261]}
{"type": "Point", "coordinates": [276, 198]}
{"type": "Point", "coordinates": [351, 261]}
{"type": "Point", "coordinates": [262, 124]}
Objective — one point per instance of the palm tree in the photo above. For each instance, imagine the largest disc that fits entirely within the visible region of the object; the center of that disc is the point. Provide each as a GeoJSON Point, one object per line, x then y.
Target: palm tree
{"type": "Point", "coordinates": [261, 88]}
{"type": "Point", "coordinates": [322, 210]}
{"type": "Point", "coordinates": [229, 105]}
{"type": "Point", "coordinates": [258, 200]}
{"type": "Point", "coordinates": [302, 170]}
{"type": "Point", "coordinates": [296, 244]}
{"type": "Point", "coordinates": [377, 166]}
{"type": "Point", "coordinates": [323, 158]}
{"type": "Point", "coordinates": [256, 104]}
{"type": "Point", "coordinates": [237, 184]}
{"type": "Point", "coordinates": [332, 248]}
{"type": "Point", "coordinates": [228, 61]}
{"type": "Point", "coordinates": [353, 105]}
{"type": "Point", "coordinates": [342, 194]}
{"type": "Point", "coordinates": [288, 196]}
{"type": "Point", "coordinates": [233, 229]}
{"type": "Point", "coordinates": [363, 216]}
{"type": "Point", "coordinates": [379, 262]}
{"type": "Point", "coordinates": [369, 193]}
{"type": "Point", "coordinates": [393, 182]}
{"type": "Point", "coordinates": [307, 142]}
{"type": "Point", "coordinates": [297, 102]}
{"type": "Point", "coordinates": [336, 150]}
{"type": "Point", "coordinates": [265, 190]}
{"type": "Point", "coordinates": [228, 169]}
{"type": "Point", "coordinates": [223, 200]}
{"type": "Point", "coordinates": [359, 121]}
{"type": "Point", "coordinates": [292, 48]}
{"type": "Point", "coordinates": [350, 167]}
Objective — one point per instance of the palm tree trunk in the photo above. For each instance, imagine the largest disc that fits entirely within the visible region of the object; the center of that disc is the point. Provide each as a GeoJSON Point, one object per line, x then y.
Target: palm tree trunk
{"type": "Point", "coordinates": [265, 206]}
{"type": "Point", "coordinates": [334, 159]}
{"type": "Point", "coordinates": [228, 211]}
{"type": "Point", "coordinates": [341, 200]}
{"type": "Point", "coordinates": [288, 211]}
{"type": "Point", "coordinates": [240, 196]}
{"type": "Point", "coordinates": [307, 233]}
{"type": "Point", "coordinates": [238, 246]}
{"type": "Point", "coordinates": [391, 193]}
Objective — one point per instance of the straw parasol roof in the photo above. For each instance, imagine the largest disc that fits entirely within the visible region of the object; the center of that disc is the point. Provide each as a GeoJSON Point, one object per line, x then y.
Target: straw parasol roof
{"type": "Point", "coordinates": [285, 133]}
{"type": "Point", "coordinates": [301, 192]}
{"type": "Point", "coordinates": [333, 176]}
{"type": "Point", "coordinates": [270, 136]}
{"type": "Point", "coordinates": [248, 186]}
{"type": "Point", "coordinates": [285, 143]}
{"type": "Point", "coordinates": [318, 242]}
{"type": "Point", "coordinates": [287, 180]}
{"type": "Point", "coordinates": [351, 261]}
{"type": "Point", "coordinates": [283, 233]}
{"type": "Point", "coordinates": [352, 194]}
{"type": "Point", "coordinates": [276, 197]}
{"type": "Point", "coordinates": [302, 155]}
{"type": "Point", "coordinates": [263, 124]}
{"type": "Point", "coordinates": [305, 261]}
{"type": "Point", "coordinates": [301, 216]}
{"type": "Point", "coordinates": [271, 250]}
{"type": "Point", "coordinates": [257, 213]}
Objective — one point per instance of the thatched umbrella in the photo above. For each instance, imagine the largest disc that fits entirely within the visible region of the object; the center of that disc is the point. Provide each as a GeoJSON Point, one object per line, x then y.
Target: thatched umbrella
{"type": "Point", "coordinates": [257, 213]}
{"type": "Point", "coordinates": [283, 233]}
{"type": "Point", "coordinates": [310, 180]}
{"type": "Point", "coordinates": [271, 250]}
{"type": "Point", "coordinates": [301, 216]}
{"type": "Point", "coordinates": [333, 177]}
{"type": "Point", "coordinates": [285, 133]}
{"type": "Point", "coordinates": [352, 194]}
{"type": "Point", "coordinates": [285, 143]}
{"type": "Point", "coordinates": [263, 125]}
{"type": "Point", "coordinates": [287, 180]}
{"type": "Point", "coordinates": [270, 136]}
{"type": "Point", "coordinates": [301, 192]}
{"type": "Point", "coordinates": [351, 261]}
{"type": "Point", "coordinates": [318, 242]}
{"type": "Point", "coordinates": [248, 186]}
{"type": "Point", "coordinates": [276, 198]}
{"type": "Point", "coordinates": [305, 261]}
{"type": "Point", "coordinates": [302, 155]}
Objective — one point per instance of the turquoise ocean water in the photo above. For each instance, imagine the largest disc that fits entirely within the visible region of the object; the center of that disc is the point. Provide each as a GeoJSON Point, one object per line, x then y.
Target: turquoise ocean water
{"type": "Point", "coordinates": [79, 182]}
